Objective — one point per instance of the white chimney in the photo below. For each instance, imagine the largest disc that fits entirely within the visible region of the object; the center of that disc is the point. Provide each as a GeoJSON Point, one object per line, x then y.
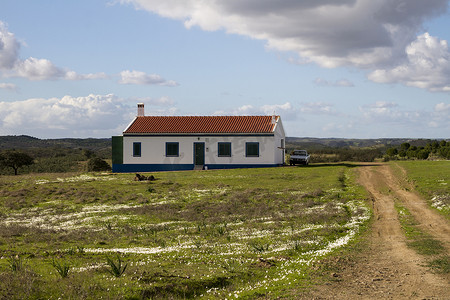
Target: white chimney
{"type": "Point", "coordinates": [274, 119]}
{"type": "Point", "coordinates": [140, 112]}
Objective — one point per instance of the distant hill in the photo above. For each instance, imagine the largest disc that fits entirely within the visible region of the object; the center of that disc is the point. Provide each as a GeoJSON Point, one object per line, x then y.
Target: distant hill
{"type": "Point", "coordinates": [55, 155]}
{"type": "Point", "coordinates": [27, 142]}
{"type": "Point", "coordinates": [321, 143]}
{"type": "Point", "coordinates": [71, 155]}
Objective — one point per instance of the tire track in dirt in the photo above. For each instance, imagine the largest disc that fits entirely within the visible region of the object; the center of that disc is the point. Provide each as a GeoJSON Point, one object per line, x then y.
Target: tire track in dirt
{"type": "Point", "coordinates": [387, 269]}
{"type": "Point", "coordinates": [429, 220]}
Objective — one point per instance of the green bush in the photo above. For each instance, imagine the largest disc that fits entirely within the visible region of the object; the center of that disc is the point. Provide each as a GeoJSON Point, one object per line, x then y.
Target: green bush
{"type": "Point", "coordinates": [445, 152]}
{"type": "Point", "coordinates": [15, 160]}
{"type": "Point", "coordinates": [392, 151]}
{"type": "Point", "coordinates": [432, 148]}
{"type": "Point", "coordinates": [423, 154]}
{"type": "Point", "coordinates": [97, 164]}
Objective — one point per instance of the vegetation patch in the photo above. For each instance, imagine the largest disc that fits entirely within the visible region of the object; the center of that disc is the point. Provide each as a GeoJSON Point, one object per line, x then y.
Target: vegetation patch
{"type": "Point", "coordinates": [422, 242]}
{"type": "Point", "coordinates": [213, 234]}
{"type": "Point", "coordinates": [432, 180]}
{"type": "Point", "coordinates": [432, 149]}
{"type": "Point", "coordinates": [441, 264]}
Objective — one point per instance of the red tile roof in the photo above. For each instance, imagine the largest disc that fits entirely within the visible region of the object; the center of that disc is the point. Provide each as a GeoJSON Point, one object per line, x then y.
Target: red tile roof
{"type": "Point", "coordinates": [198, 124]}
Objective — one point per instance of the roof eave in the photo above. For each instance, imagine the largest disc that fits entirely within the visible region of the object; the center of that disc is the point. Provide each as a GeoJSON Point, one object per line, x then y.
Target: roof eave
{"type": "Point", "coordinates": [129, 125]}
{"type": "Point", "coordinates": [196, 133]}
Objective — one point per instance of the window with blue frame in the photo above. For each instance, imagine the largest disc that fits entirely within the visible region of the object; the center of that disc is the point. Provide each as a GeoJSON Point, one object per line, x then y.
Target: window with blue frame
{"type": "Point", "coordinates": [172, 149]}
{"type": "Point", "coordinates": [136, 149]}
{"type": "Point", "coordinates": [252, 149]}
{"type": "Point", "coordinates": [224, 149]}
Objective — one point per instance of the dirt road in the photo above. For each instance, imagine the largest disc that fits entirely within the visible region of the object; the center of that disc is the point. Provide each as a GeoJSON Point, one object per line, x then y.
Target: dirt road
{"type": "Point", "coordinates": [388, 269]}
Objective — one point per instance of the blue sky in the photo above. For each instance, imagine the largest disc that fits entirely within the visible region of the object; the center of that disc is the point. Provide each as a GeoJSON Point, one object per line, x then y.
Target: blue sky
{"type": "Point", "coordinates": [349, 68]}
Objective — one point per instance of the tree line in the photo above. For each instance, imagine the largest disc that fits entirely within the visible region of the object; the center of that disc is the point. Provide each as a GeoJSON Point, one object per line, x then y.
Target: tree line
{"type": "Point", "coordinates": [346, 154]}
{"type": "Point", "coordinates": [53, 155]}
{"type": "Point", "coordinates": [51, 160]}
{"type": "Point", "coordinates": [438, 149]}
{"type": "Point", "coordinates": [31, 155]}
{"type": "Point", "coordinates": [415, 149]}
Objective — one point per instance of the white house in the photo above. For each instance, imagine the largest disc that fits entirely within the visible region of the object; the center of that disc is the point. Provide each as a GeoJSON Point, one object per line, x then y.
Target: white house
{"type": "Point", "coordinates": [165, 143]}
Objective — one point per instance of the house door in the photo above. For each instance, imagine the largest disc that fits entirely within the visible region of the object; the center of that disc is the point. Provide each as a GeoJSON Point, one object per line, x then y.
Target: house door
{"type": "Point", "coordinates": [199, 154]}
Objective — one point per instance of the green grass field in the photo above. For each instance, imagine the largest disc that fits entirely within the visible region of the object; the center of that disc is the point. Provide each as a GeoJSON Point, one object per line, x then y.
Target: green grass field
{"type": "Point", "coordinates": [211, 234]}
{"type": "Point", "coordinates": [432, 180]}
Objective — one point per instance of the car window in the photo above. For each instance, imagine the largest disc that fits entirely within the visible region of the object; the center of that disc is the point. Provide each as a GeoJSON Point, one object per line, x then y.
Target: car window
{"type": "Point", "coordinates": [299, 152]}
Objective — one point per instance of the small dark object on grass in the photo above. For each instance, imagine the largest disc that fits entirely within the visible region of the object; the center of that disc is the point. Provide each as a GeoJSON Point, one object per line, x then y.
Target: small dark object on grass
{"type": "Point", "coordinates": [96, 164]}
{"type": "Point", "coordinates": [143, 178]}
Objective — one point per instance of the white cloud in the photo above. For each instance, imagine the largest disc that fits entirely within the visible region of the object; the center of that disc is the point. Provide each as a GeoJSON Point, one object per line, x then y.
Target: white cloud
{"type": "Point", "coordinates": [43, 69]}
{"type": "Point", "coordinates": [440, 117]}
{"type": "Point", "coordinates": [166, 111]}
{"type": "Point", "coordinates": [361, 33]}
{"type": "Point", "coordinates": [396, 120]}
{"type": "Point", "coordinates": [9, 48]}
{"type": "Point", "coordinates": [317, 108]}
{"type": "Point", "coordinates": [138, 77]}
{"type": "Point", "coordinates": [38, 69]}
{"type": "Point", "coordinates": [88, 116]}
{"type": "Point", "coordinates": [93, 115]}
{"type": "Point", "coordinates": [391, 113]}
{"type": "Point", "coordinates": [338, 129]}
{"type": "Point", "coordinates": [443, 108]}
{"type": "Point", "coordinates": [329, 32]}
{"type": "Point", "coordinates": [382, 112]}
{"type": "Point", "coordinates": [32, 68]}
{"type": "Point", "coordinates": [71, 75]}
{"type": "Point", "coordinates": [270, 109]}
{"type": "Point", "coordinates": [286, 111]}
{"type": "Point", "coordinates": [162, 101]}
{"type": "Point", "coordinates": [381, 107]}
{"type": "Point", "coordinates": [337, 83]}
{"type": "Point", "coordinates": [8, 86]}
{"type": "Point", "coordinates": [246, 109]}
{"type": "Point", "coordinates": [427, 66]}
{"type": "Point", "coordinates": [375, 120]}
{"type": "Point", "coordinates": [67, 115]}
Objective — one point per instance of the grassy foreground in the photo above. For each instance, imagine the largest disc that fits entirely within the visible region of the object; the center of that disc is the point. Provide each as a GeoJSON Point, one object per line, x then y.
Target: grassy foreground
{"type": "Point", "coordinates": [432, 180]}
{"type": "Point", "coordinates": [212, 234]}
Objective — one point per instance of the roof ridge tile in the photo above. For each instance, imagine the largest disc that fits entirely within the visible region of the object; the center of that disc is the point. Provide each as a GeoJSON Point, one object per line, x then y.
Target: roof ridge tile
{"type": "Point", "coordinates": [201, 124]}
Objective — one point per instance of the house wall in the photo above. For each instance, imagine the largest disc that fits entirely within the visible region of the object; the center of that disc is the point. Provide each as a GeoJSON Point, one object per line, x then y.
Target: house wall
{"type": "Point", "coordinates": [117, 149]}
{"type": "Point", "coordinates": [279, 144]}
{"type": "Point", "coordinates": [153, 150]}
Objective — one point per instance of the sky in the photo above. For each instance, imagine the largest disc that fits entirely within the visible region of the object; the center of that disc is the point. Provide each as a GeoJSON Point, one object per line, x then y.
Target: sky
{"type": "Point", "coordinates": [329, 68]}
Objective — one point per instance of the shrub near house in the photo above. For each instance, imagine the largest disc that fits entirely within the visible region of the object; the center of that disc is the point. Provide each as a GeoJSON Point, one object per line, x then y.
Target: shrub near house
{"type": "Point", "coordinates": [97, 164]}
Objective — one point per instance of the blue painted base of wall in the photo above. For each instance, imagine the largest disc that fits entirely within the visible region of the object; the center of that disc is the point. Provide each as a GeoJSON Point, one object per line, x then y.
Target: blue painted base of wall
{"type": "Point", "coordinates": [133, 168]}
{"type": "Point", "coordinates": [215, 167]}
